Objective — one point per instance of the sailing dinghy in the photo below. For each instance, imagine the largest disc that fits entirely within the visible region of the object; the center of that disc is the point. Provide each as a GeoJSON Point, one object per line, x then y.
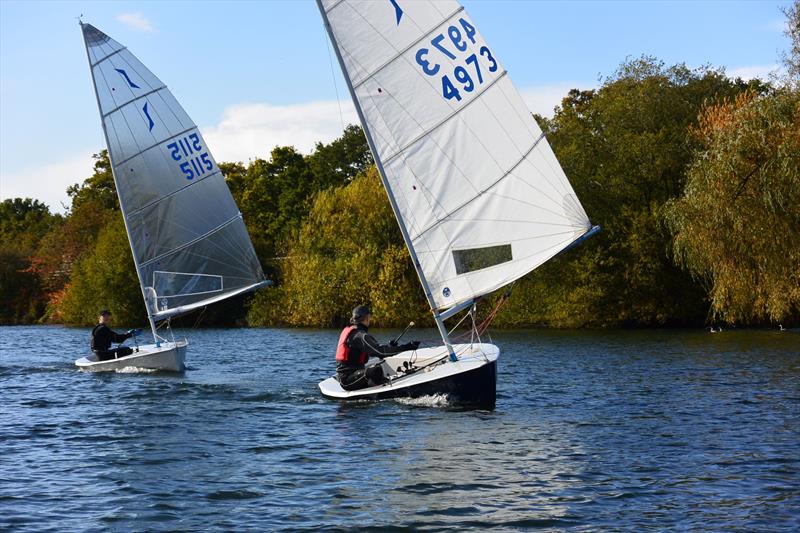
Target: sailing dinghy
{"type": "Point", "coordinates": [476, 189]}
{"type": "Point", "coordinates": [190, 245]}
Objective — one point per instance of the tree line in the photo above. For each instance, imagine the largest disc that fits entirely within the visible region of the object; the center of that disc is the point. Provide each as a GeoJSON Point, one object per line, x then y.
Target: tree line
{"type": "Point", "coordinates": [695, 178]}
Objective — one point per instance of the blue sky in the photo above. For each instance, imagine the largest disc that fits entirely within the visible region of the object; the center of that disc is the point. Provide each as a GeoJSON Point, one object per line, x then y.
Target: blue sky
{"type": "Point", "coordinates": [256, 74]}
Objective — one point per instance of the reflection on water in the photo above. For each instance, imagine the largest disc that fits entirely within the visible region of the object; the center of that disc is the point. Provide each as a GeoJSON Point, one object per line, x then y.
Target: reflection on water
{"type": "Point", "coordinates": [592, 430]}
{"type": "Point", "coordinates": [512, 474]}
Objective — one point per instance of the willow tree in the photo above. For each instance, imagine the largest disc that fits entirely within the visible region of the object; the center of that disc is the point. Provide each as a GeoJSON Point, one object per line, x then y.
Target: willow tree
{"type": "Point", "coordinates": [791, 58]}
{"type": "Point", "coordinates": [737, 226]}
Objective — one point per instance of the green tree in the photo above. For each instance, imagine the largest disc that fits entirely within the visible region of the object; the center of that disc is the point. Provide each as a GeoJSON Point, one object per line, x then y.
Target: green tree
{"type": "Point", "coordinates": [40, 249]}
{"type": "Point", "coordinates": [340, 161]}
{"type": "Point", "coordinates": [94, 204]}
{"type": "Point", "coordinates": [104, 278]}
{"type": "Point", "coordinates": [98, 191]}
{"type": "Point", "coordinates": [348, 251]}
{"type": "Point", "coordinates": [737, 226]}
{"type": "Point", "coordinates": [24, 222]}
{"type": "Point", "coordinates": [274, 197]}
{"type": "Point", "coordinates": [625, 148]}
{"type": "Point", "coordinates": [236, 179]}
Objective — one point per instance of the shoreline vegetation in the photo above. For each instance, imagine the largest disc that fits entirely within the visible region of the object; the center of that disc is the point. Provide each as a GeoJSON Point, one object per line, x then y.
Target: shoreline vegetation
{"type": "Point", "coordinates": [695, 178]}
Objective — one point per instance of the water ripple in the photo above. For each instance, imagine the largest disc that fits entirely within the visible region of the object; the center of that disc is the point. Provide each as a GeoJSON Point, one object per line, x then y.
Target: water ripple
{"type": "Point", "coordinates": [663, 430]}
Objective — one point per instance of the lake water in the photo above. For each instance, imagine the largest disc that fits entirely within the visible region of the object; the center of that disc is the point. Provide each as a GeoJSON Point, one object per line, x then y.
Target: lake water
{"type": "Point", "coordinates": [666, 430]}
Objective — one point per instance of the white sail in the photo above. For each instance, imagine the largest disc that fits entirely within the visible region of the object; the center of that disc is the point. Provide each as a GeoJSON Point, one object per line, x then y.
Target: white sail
{"type": "Point", "coordinates": [189, 242]}
{"type": "Point", "coordinates": [475, 183]}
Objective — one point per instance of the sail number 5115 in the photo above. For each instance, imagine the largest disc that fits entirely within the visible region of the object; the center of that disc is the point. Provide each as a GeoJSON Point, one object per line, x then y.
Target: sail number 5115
{"type": "Point", "coordinates": [185, 149]}
{"type": "Point", "coordinates": [453, 41]}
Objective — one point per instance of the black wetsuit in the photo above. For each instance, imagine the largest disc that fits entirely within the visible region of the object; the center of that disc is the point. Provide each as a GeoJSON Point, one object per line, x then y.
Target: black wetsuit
{"type": "Point", "coordinates": [354, 376]}
{"type": "Point", "coordinates": [102, 337]}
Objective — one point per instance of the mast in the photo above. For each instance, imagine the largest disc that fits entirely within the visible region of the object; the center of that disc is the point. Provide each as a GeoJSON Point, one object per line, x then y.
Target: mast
{"type": "Point", "coordinates": [376, 155]}
{"type": "Point", "coordinates": [116, 186]}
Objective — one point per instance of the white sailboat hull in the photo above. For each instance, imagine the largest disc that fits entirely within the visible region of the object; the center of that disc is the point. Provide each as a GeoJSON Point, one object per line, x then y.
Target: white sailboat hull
{"type": "Point", "coordinates": [169, 357]}
{"type": "Point", "coordinates": [472, 380]}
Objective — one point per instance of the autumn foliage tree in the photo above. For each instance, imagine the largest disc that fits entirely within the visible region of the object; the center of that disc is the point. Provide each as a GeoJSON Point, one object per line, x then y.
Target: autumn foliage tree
{"type": "Point", "coordinates": [93, 204]}
{"type": "Point", "coordinates": [23, 223]}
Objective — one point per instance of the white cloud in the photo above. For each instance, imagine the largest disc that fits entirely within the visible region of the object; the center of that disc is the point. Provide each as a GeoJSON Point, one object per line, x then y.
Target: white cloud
{"type": "Point", "coordinates": [777, 25]}
{"type": "Point", "coordinates": [48, 183]}
{"type": "Point", "coordinates": [253, 130]}
{"type": "Point", "coordinates": [137, 21]}
{"type": "Point", "coordinates": [543, 98]}
{"type": "Point", "coordinates": [763, 72]}
{"type": "Point", "coordinates": [246, 131]}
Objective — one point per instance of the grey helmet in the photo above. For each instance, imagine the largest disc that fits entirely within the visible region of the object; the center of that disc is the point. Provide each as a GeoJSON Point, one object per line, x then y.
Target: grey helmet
{"type": "Point", "coordinates": [359, 313]}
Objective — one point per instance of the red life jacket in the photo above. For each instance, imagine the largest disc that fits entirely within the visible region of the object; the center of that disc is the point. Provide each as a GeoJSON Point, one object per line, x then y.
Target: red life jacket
{"type": "Point", "coordinates": [345, 353]}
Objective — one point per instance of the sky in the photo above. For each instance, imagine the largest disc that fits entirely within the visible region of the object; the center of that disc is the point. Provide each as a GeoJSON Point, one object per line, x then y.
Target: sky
{"type": "Point", "coordinates": [257, 74]}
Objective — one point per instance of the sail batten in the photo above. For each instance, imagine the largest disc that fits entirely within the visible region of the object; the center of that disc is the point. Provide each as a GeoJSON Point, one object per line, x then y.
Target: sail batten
{"type": "Point", "coordinates": [186, 233]}
{"type": "Point", "coordinates": [106, 57]}
{"type": "Point", "coordinates": [145, 95]}
{"type": "Point", "coordinates": [167, 196]}
{"type": "Point", "coordinates": [357, 84]}
{"type": "Point", "coordinates": [509, 172]}
{"type": "Point", "coordinates": [470, 175]}
{"type": "Point", "coordinates": [154, 145]}
{"type": "Point", "coordinates": [193, 241]}
{"type": "Point", "coordinates": [388, 159]}
{"type": "Point", "coordinates": [334, 6]}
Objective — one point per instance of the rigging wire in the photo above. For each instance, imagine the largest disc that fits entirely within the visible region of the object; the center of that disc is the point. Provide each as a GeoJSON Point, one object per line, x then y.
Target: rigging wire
{"type": "Point", "coordinates": [200, 317]}
{"type": "Point", "coordinates": [480, 328]}
{"type": "Point", "coordinates": [475, 331]}
{"type": "Point", "coordinates": [333, 75]}
{"type": "Point", "coordinates": [459, 323]}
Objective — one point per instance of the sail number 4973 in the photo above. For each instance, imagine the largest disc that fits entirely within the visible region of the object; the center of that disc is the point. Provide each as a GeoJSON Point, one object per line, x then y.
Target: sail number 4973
{"type": "Point", "coordinates": [450, 43]}
{"type": "Point", "coordinates": [189, 152]}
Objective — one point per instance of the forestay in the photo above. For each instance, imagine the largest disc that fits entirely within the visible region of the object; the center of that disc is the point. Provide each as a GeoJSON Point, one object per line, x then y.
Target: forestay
{"type": "Point", "coordinates": [476, 184]}
{"type": "Point", "coordinates": [189, 242]}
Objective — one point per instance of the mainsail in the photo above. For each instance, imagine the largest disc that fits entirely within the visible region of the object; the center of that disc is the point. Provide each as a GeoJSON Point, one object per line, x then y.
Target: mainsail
{"type": "Point", "coordinates": [189, 242]}
{"type": "Point", "coordinates": [476, 188]}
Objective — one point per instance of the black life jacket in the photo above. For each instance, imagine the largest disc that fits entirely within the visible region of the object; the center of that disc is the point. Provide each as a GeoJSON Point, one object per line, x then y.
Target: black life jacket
{"type": "Point", "coordinates": [94, 331]}
{"type": "Point", "coordinates": [345, 353]}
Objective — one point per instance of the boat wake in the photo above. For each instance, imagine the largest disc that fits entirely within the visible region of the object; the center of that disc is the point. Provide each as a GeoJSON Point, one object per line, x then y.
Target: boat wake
{"type": "Point", "coordinates": [433, 400]}
{"type": "Point", "coordinates": [136, 370]}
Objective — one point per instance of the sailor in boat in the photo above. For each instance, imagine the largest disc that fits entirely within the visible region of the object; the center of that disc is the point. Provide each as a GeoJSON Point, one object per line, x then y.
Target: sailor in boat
{"type": "Point", "coordinates": [356, 346]}
{"type": "Point", "coordinates": [103, 336]}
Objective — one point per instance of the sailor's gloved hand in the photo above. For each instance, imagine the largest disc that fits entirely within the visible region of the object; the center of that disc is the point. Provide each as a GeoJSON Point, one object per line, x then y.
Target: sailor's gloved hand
{"type": "Point", "coordinates": [410, 346]}
{"type": "Point", "coordinates": [134, 332]}
{"type": "Point", "coordinates": [393, 342]}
